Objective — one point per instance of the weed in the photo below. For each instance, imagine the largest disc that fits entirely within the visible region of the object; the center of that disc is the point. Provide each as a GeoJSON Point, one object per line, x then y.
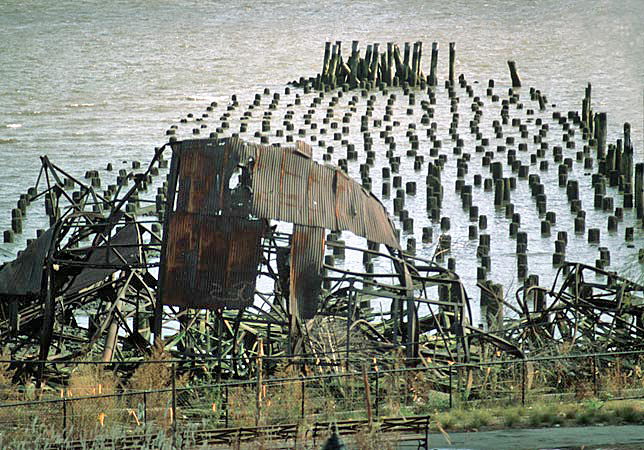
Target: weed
{"type": "Point", "coordinates": [372, 439]}
{"type": "Point", "coordinates": [87, 416]}
{"type": "Point", "coordinates": [151, 377]}
{"type": "Point", "coordinates": [629, 413]}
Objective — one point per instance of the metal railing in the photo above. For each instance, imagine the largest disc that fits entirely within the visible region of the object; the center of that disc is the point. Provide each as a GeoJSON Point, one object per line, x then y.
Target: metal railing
{"type": "Point", "coordinates": [374, 392]}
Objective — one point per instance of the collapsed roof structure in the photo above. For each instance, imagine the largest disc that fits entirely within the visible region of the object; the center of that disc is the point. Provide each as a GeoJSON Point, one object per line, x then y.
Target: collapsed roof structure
{"type": "Point", "coordinates": [105, 281]}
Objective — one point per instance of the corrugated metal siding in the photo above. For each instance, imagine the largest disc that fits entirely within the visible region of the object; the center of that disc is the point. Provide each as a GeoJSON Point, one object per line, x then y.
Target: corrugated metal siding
{"type": "Point", "coordinates": [267, 183]}
{"type": "Point", "coordinates": [321, 198]}
{"type": "Point", "coordinates": [307, 255]}
{"type": "Point", "coordinates": [289, 186]}
{"type": "Point", "coordinates": [286, 185]}
{"type": "Point", "coordinates": [211, 261]}
{"type": "Point", "coordinates": [204, 171]}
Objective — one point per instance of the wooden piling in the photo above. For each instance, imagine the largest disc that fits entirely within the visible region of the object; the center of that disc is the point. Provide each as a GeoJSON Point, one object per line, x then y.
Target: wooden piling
{"type": "Point", "coordinates": [433, 81]}
{"type": "Point", "coordinates": [514, 75]}
{"type": "Point", "coordinates": [452, 62]}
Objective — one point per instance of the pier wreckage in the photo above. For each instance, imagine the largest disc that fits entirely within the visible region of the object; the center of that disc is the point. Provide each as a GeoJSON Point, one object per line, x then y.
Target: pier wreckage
{"type": "Point", "coordinates": [88, 286]}
{"type": "Point", "coordinates": [236, 254]}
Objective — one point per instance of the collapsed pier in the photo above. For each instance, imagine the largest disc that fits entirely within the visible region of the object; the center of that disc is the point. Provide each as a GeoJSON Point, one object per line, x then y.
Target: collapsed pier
{"type": "Point", "coordinates": [193, 250]}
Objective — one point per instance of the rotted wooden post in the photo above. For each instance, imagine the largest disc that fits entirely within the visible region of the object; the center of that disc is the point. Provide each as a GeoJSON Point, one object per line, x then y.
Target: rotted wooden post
{"type": "Point", "coordinates": [325, 64]}
{"type": "Point", "coordinates": [452, 61]}
{"type": "Point", "coordinates": [514, 75]}
{"type": "Point", "coordinates": [433, 81]}
{"type": "Point", "coordinates": [639, 190]}
{"type": "Point", "coordinates": [600, 134]}
{"type": "Point", "coordinates": [353, 64]}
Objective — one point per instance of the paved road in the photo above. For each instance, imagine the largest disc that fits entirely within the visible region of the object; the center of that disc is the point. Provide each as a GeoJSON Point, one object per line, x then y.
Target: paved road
{"type": "Point", "coordinates": [624, 437]}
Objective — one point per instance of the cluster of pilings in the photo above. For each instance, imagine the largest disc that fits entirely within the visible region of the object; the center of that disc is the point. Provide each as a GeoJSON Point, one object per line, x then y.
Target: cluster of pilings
{"type": "Point", "coordinates": [401, 152]}
{"type": "Point", "coordinates": [379, 67]}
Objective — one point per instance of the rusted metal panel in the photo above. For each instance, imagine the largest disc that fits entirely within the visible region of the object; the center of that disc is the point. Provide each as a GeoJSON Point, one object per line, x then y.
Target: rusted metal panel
{"type": "Point", "coordinates": [289, 186]}
{"type": "Point", "coordinates": [378, 224]}
{"type": "Point", "coordinates": [276, 183]}
{"type": "Point", "coordinates": [267, 182]}
{"type": "Point", "coordinates": [348, 208]}
{"type": "Point", "coordinates": [23, 276]}
{"type": "Point", "coordinates": [124, 250]}
{"type": "Point", "coordinates": [203, 173]}
{"type": "Point", "coordinates": [211, 261]}
{"type": "Point", "coordinates": [295, 180]}
{"type": "Point", "coordinates": [307, 255]}
{"type": "Point", "coordinates": [286, 185]}
{"type": "Point", "coordinates": [321, 198]}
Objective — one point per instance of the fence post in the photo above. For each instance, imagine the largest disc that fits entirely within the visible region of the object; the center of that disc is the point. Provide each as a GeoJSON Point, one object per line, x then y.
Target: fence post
{"type": "Point", "coordinates": [450, 387]}
{"type": "Point", "coordinates": [258, 393]}
{"type": "Point", "coordinates": [174, 398]}
{"type": "Point", "coordinates": [349, 319]}
{"type": "Point", "coordinates": [377, 392]}
{"type": "Point", "coordinates": [594, 360]}
{"type": "Point", "coordinates": [523, 377]}
{"type": "Point", "coordinates": [64, 417]}
{"type": "Point", "coordinates": [302, 395]}
{"type": "Point", "coordinates": [367, 394]}
{"type": "Point", "coordinates": [226, 395]}
{"type": "Point", "coordinates": [145, 407]}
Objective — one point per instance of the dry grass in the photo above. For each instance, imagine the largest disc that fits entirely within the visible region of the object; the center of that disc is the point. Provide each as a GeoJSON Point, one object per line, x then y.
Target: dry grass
{"type": "Point", "coordinates": [373, 439]}
{"type": "Point", "coordinates": [7, 390]}
{"type": "Point", "coordinates": [155, 376]}
{"type": "Point", "coordinates": [86, 417]}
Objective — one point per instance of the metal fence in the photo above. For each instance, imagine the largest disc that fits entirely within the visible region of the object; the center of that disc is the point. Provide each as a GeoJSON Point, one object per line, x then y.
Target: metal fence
{"type": "Point", "coordinates": [89, 403]}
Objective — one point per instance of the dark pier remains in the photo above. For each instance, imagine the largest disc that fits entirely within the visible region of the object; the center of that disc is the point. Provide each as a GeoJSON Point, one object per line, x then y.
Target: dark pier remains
{"type": "Point", "coordinates": [269, 228]}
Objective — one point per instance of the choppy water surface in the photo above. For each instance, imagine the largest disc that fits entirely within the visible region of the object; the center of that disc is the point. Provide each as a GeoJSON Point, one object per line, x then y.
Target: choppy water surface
{"type": "Point", "coordinates": [100, 82]}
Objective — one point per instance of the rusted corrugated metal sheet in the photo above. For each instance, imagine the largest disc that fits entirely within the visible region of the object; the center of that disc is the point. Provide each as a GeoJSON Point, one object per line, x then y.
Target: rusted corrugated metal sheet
{"type": "Point", "coordinates": [23, 276]}
{"type": "Point", "coordinates": [125, 251]}
{"type": "Point", "coordinates": [211, 261]}
{"type": "Point", "coordinates": [203, 173]}
{"type": "Point", "coordinates": [276, 183]}
{"type": "Point", "coordinates": [321, 197]}
{"type": "Point", "coordinates": [289, 186]}
{"type": "Point", "coordinates": [307, 255]}
{"type": "Point", "coordinates": [286, 185]}
{"type": "Point", "coordinates": [267, 180]}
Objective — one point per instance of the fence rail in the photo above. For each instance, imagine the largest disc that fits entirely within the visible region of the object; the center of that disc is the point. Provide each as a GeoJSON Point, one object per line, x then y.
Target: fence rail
{"type": "Point", "coordinates": [373, 394]}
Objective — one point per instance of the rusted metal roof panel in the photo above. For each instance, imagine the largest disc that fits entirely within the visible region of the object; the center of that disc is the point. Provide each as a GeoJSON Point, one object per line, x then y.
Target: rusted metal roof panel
{"type": "Point", "coordinates": [286, 185]}
{"type": "Point", "coordinates": [307, 255]}
{"type": "Point", "coordinates": [203, 173]}
{"type": "Point", "coordinates": [295, 180]}
{"type": "Point", "coordinates": [378, 224]}
{"type": "Point", "coordinates": [321, 198]}
{"type": "Point", "coordinates": [124, 250]}
{"type": "Point", "coordinates": [23, 276]}
{"type": "Point", "coordinates": [348, 207]}
{"type": "Point", "coordinates": [267, 180]}
{"type": "Point", "coordinates": [211, 261]}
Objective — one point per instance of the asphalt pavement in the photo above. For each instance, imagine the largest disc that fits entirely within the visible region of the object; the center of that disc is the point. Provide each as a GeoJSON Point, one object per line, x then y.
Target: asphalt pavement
{"type": "Point", "coordinates": [624, 437]}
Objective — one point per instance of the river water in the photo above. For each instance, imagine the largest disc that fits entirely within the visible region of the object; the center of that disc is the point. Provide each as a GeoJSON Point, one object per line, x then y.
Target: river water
{"type": "Point", "coordinates": [92, 82]}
